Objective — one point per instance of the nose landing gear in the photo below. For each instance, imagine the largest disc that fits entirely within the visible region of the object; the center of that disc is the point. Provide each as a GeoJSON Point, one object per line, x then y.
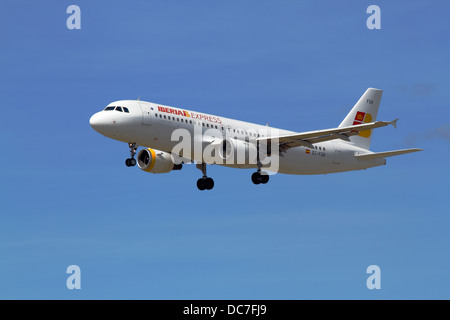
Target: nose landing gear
{"type": "Point", "coordinates": [131, 162]}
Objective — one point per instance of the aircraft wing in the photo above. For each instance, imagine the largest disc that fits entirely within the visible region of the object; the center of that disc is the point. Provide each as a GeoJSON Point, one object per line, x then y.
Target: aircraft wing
{"type": "Point", "coordinates": [308, 138]}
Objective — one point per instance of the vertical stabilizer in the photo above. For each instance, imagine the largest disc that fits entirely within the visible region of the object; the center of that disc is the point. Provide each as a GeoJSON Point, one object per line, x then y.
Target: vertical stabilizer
{"type": "Point", "coordinates": [364, 111]}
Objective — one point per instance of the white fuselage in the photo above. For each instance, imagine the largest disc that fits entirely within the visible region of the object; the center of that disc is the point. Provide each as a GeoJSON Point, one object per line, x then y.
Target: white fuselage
{"type": "Point", "coordinates": [151, 125]}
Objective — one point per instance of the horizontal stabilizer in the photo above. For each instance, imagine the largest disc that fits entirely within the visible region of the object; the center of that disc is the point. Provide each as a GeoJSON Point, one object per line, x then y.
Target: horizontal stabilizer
{"type": "Point", "coordinates": [370, 156]}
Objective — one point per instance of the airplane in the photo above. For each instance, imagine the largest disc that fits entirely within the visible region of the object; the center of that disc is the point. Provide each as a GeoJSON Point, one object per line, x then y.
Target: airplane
{"type": "Point", "coordinates": [238, 144]}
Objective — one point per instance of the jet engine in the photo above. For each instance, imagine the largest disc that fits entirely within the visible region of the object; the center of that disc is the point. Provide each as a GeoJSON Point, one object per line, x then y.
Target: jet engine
{"type": "Point", "coordinates": [156, 161]}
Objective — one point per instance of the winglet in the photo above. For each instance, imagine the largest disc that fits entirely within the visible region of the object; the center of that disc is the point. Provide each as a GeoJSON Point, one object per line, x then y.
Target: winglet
{"type": "Point", "coordinates": [394, 123]}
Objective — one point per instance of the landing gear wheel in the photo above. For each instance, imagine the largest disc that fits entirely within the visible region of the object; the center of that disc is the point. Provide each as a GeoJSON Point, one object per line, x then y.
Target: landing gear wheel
{"type": "Point", "coordinates": [201, 184]}
{"type": "Point", "coordinates": [130, 162]}
{"type": "Point", "coordinates": [258, 177]}
{"type": "Point", "coordinates": [205, 184]}
{"type": "Point", "coordinates": [264, 178]}
{"type": "Point", "coordinates": [209, 183]}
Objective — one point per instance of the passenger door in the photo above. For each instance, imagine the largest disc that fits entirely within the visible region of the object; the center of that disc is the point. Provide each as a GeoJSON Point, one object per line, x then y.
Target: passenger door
{"type": "Point", "coordinates": [146, 113]}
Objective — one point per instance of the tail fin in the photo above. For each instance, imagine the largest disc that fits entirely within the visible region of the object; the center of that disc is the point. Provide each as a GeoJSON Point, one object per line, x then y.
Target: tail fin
{"type": "Point", "coordinates": [364, 111]}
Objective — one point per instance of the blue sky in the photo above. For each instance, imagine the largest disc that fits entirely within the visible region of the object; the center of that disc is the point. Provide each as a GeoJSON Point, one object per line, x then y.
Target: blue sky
{"type": "Point", "coordinates": [67, 198]}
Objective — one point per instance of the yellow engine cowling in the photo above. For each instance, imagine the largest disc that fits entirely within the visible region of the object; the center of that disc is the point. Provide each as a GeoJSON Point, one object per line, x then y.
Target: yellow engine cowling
{"type": "Point", "coordinates": [155, 161]}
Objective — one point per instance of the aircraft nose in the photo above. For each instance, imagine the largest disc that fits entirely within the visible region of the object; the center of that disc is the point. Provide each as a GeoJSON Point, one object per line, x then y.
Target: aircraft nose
{"type": "Point", "coordinates": [94, 120]}
{"type": "Point", "coordinates": [98, 122]}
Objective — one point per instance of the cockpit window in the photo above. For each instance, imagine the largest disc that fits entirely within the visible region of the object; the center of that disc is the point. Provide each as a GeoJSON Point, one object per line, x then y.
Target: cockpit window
{"type": "Point", "coordinates": [120, 109]}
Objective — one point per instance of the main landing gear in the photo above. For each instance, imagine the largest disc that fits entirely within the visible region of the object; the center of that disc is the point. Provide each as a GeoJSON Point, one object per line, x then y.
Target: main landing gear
{"type": "Point", "coordinates": [258, 176]}
{"type": "Point", "coordinates": [204, 183]}
{"type": "Point", "coordinates": [131, 162]}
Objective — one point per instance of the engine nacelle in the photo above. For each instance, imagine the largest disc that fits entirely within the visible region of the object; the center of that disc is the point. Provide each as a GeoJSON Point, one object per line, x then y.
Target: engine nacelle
{"type": "Point", "coordinates": [238, 152]}
{"type": "Point", "coordinates": [156, 161]}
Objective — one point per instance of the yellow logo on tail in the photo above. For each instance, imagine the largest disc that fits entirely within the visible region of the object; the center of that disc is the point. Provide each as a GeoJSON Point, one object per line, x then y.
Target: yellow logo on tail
{"type": "Point", "coordinates": [359, 119]}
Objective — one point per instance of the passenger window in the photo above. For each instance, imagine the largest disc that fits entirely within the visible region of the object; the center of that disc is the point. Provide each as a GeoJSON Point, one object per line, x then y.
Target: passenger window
{"type": "Point", "coordinates": [190, 121]}
{"type": "Point", "coordinates": [119, 109]}
{"type": "Point", "coordinates": [178, 119]}
{"type": "Point", "coordinates": [182, 120]}
{"type": "Point", "coordinates": [160, 116]}
{"type": "Point", "coordinates": [164, 116]}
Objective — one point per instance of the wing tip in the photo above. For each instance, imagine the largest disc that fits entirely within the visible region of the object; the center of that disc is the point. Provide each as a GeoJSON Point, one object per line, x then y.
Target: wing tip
{"type": "Point", "coordinates": [394, 123]}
